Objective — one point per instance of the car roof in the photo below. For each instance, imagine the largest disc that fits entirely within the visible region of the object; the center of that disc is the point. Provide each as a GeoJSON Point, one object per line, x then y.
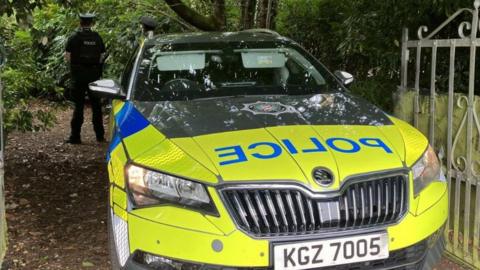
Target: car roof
{"type": "Point", "coordinates": [252, 35]}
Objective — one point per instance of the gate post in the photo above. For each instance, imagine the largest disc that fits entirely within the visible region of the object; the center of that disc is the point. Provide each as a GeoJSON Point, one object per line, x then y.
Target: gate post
{"type": "Point", "coordinates": [404, 64]}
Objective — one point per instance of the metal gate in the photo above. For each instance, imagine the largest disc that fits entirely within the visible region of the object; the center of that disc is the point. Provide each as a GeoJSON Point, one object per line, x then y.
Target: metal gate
{"type": "Point", "coordinates": [461, 168]}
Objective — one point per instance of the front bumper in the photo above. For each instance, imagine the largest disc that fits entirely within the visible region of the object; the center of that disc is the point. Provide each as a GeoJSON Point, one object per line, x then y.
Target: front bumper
{"type": "Point", "coordinates": [421, 256]}
{"type": "Point", "coordinates": [239, 250]}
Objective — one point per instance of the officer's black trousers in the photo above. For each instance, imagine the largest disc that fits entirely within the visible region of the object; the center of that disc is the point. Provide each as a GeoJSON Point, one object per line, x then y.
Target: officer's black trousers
{"type": "Point", "coordinates": [80, 82]}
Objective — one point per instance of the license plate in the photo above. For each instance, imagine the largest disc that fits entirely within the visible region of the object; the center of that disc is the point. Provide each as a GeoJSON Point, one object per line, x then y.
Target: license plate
{"type": "Point", "coordinates": [330, 252]}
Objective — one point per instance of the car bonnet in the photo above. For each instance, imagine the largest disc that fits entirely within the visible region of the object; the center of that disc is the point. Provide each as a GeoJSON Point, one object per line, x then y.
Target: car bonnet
{"type": "Point", "coordinates": [262, 138]}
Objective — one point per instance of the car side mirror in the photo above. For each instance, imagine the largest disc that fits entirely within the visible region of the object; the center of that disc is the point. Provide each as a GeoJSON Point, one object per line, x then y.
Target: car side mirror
{"type": "Point", "coordinates": [344, 77]}
{"type": "Point", "coordinates": [107, 88]}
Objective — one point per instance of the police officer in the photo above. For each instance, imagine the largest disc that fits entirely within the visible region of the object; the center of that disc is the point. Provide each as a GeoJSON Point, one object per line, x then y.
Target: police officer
{"type": "Point", "coordinates": [85, 51]}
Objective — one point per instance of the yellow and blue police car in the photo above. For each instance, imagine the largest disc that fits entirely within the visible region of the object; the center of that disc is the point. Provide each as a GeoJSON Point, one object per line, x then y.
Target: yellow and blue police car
{"type": "Point", "coordinates": [241, 151]}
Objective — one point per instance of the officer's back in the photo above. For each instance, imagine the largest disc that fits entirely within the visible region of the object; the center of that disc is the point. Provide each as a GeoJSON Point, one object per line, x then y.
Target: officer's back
{"type": "Point", "coordinates": [86, 48]}
{"type": "Point", "coordinates": [85, 51]}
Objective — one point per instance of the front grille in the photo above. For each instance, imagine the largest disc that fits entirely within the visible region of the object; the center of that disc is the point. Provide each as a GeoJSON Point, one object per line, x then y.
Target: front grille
{"type": "Point", "coordinates": [275, 210]}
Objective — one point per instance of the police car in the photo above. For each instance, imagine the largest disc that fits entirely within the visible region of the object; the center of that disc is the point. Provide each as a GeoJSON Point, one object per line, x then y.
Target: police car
{"type": "Point", "coordinates": [241, 151]}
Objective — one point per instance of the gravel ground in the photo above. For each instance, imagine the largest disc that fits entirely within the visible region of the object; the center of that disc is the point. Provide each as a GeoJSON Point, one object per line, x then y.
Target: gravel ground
{"type": "Point", "coordinates": [56, 196]}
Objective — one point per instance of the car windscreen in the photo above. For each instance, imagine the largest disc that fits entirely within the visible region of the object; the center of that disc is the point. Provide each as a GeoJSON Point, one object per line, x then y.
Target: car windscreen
{"type": "Point", "coordinates": [193, 73]}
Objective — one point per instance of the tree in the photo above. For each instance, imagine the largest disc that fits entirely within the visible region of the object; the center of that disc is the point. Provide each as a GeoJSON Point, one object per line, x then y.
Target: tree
{"type": "Point", "coordinates": [20, 8]}
{"type": "Point", "coordinates": [266, 11]}
{"type": "Point", "coordinates": [253, 14]}
{"type": "Point", "coordinates": [214, 22]}
{"type": "Point", "coordinates": [247, 13]}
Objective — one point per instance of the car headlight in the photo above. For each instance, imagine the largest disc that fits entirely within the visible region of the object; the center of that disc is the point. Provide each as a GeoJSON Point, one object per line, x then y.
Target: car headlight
{"type": "Point", "coordinates": [426, 170]}
{"type": "Point", "coordinates": [153, 188]}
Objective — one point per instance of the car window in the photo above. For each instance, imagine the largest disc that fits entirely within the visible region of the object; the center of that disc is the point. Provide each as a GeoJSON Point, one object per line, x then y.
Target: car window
{"type": "Point", "coordinates": [230, 71]}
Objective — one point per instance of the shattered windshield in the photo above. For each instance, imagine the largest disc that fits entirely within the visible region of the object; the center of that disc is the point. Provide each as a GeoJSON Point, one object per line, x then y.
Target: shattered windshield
{"type": "Point", "coordinates": [220, 70]}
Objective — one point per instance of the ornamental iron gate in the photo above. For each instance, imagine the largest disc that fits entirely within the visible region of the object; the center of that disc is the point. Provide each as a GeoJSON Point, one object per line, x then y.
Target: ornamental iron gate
{"type": "Point", "coordinates": [457, 141]}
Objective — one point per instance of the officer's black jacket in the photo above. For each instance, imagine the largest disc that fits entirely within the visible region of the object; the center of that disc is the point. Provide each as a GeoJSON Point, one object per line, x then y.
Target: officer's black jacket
{"type": "Point", "coordinates": [85, 47]}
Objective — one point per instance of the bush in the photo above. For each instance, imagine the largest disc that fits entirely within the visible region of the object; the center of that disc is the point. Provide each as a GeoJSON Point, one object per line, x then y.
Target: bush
{"type": "Point", "coordinates": [363, 36]}
{"type": "Point", "coordinates": [23, 80]}
{"type": "Point", "coordinates": [36, 65]}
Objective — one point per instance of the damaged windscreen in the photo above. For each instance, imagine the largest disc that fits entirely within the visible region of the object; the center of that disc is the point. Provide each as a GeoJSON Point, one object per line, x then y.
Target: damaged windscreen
{"type": "Point", "coordinates": [168, 72]}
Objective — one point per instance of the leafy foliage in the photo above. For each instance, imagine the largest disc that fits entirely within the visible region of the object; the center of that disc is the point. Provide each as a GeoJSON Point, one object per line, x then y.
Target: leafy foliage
{"type": "Point", "coordinates": [22, 80]}
{"type": "Point", "coordinates": [359, 36]}
{"type": "Point", "coordinates": [121, 31]}
{"type": "Point", "coordinates": [36, 68]}
{"type": "Point", "coordinates": [362, 36]}
{"type": "Point", "coordinates": [19, 8]}
{"type": "Point", "coordinates": [221, 15]}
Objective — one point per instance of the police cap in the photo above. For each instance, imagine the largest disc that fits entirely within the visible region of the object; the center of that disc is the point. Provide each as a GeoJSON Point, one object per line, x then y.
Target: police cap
{"type": "Point", "coordinates": [87, 16]}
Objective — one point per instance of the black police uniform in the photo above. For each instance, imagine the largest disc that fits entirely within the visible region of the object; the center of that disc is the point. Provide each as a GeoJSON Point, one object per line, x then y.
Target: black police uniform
{"type": "Point", "coordinates": [86, 48]}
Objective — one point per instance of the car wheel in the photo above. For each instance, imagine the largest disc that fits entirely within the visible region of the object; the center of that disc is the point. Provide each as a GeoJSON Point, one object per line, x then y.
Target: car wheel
{"type": "Point", "coordinates": [114, 263]}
